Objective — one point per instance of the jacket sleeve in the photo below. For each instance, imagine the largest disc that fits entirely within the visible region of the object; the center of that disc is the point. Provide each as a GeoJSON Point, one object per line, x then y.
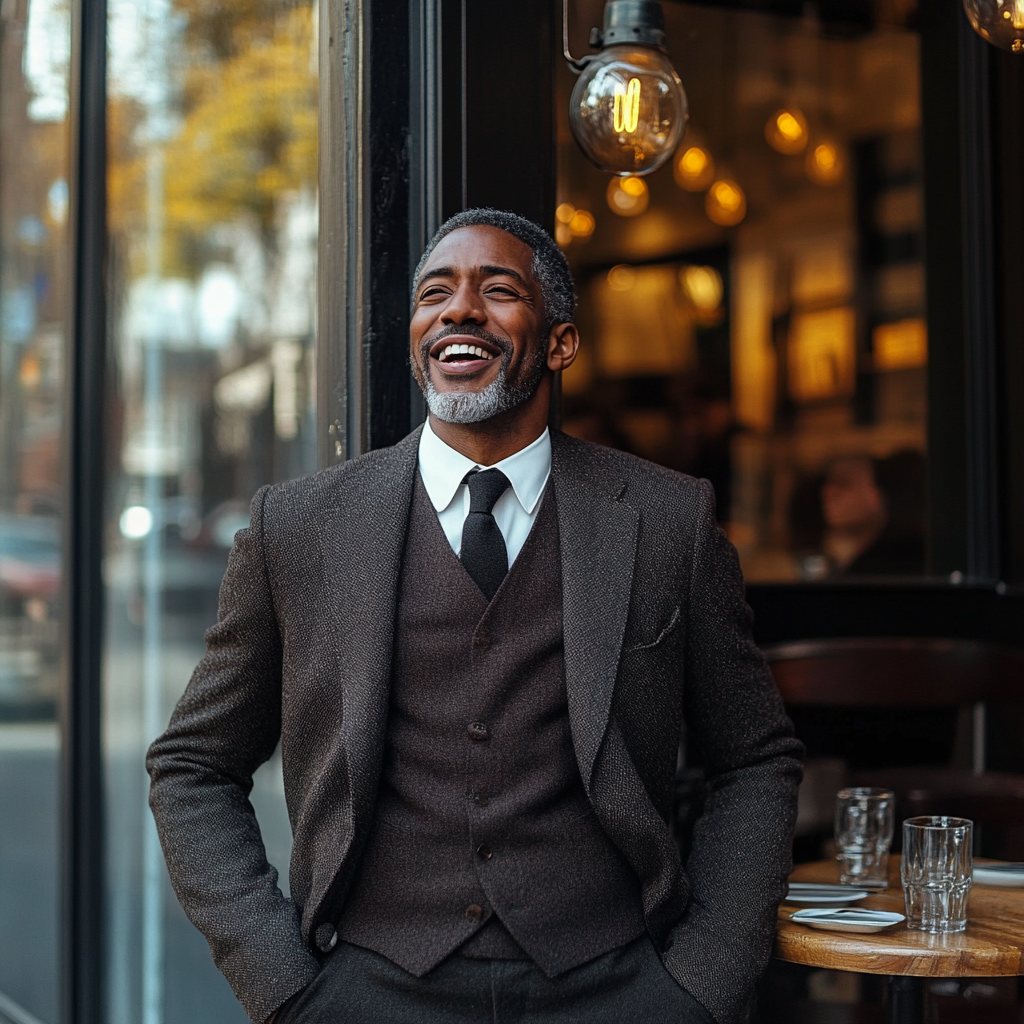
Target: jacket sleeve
{"type": "Point", "coordinates": [226, 724]}
{"type": "Point", "coordinates": [742, 845]}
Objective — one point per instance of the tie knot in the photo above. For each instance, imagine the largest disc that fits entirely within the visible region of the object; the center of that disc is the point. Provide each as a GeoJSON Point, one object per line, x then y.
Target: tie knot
{"type": "Point", "coordinates": [485, 488]}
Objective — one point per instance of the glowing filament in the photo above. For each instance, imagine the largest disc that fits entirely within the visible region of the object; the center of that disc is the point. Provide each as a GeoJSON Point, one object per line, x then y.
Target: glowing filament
{"type": "Point", "coordinates": [627, 107]}
{"type": "Point", "coordinates": [1018, 13]}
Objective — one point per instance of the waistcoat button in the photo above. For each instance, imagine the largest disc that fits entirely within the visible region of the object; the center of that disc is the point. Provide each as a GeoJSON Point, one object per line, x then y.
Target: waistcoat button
{"type": "Point", "coordinates": [483, 851]}
{"type": "Point", "coordinates": [474, 912]}
{"type": "Point", "coordinates": [478, 731]}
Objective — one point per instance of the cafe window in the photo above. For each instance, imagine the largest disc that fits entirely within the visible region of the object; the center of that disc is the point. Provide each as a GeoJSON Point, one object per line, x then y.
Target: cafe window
{"type": "Point", "coordinates": [35, 47]}
{"type": "Point", "coordinates": [213, 214]}
{"type": "Point", "coordinates": [754, 311]}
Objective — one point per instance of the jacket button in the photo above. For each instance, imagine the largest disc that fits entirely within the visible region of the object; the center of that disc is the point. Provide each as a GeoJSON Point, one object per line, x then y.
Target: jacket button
{"type": "Point", "coordinates": [474, 912]}
{"type": "Point", "coordinates": [326, 938]}
{"type": "Point", "coordinates": [483, 851]}
{"type": "Point", "coordinates": [478, 731]}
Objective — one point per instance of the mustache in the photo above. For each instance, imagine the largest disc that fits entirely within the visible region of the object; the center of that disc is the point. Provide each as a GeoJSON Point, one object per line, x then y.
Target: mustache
{"type": "Point", "coordinates": [470, 330]}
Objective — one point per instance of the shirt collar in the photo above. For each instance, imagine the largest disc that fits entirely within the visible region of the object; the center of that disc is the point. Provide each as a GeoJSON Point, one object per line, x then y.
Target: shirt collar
{"type": "Point", "coordinates": [443, 469]}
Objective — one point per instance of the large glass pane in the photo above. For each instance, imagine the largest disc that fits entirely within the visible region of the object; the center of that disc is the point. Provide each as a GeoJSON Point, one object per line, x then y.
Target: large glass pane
{"type": "Point", "coordinates": [213, 229]}
{"type": "Point", "coordinates": [754, 311]}
{"type": "Point", "coordinates": [34, 54]}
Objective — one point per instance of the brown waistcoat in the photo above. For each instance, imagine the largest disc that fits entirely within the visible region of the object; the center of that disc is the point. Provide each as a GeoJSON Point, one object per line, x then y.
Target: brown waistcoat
{"type": "Point", "coordinates": [483, 831]}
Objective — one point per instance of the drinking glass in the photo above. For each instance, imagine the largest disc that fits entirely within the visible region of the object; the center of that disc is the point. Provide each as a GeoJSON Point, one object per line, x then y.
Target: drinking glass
{"type": "Point", "coordinates": [936, 871]}
{"type": "Point", "coordinates": [865, 819]}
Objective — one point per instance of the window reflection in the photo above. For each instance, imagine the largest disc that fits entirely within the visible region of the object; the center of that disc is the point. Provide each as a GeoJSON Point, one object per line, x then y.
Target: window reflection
{"type": "Point", "coordinates": [34, 54]}
{"type": "Point", "coordinates": [755, 312]}
{"type": "Point", "coordinates": [213, 230]}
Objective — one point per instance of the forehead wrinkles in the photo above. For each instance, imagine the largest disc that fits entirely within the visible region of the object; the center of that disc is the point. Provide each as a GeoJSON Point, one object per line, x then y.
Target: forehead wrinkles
{"type": "Point", "coordinates": [481, 249]}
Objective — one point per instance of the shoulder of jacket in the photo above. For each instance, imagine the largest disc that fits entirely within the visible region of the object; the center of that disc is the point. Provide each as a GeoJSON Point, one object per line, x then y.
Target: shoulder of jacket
{"type": "Point", "coordinates": [637, 473]}
{"type": "Point", "coordinates": [329, 486]}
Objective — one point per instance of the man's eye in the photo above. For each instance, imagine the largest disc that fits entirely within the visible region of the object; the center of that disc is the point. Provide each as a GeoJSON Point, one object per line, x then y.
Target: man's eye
{"type": "Point", "coordinates": [503, 290]}
{"type": "Point", "coordinates": [432, 293]}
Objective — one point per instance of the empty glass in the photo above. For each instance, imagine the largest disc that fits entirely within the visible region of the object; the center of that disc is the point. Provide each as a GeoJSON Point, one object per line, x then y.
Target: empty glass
{"type": "Point", "coordinates": [936, 871]}
{"type": "Point", "coordinates": [865, 819]}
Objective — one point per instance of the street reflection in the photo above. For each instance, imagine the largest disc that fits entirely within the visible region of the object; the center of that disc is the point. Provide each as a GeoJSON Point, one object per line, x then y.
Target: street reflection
{"type": "Point", "coordinates": [213, 220]}
{"type": "Point", "coordinates": [35, 48]}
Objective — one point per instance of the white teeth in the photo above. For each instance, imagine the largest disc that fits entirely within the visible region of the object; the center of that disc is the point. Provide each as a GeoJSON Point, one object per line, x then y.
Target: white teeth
{"type": "Point", "coordinates": [459, 350]}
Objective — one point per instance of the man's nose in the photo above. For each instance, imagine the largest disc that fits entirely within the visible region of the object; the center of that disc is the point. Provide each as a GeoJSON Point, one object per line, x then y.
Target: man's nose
{"type": "Point", "coordinates": [465, 307]}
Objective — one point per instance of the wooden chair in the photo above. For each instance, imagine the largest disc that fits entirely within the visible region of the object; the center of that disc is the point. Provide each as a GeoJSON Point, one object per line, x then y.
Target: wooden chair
{"type": "Point", "coordinates": [903, 678]}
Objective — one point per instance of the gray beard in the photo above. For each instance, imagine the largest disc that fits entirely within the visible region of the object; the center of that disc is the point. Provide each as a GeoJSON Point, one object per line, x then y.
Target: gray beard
{"type": "Point", "coordinates": [476, 406]}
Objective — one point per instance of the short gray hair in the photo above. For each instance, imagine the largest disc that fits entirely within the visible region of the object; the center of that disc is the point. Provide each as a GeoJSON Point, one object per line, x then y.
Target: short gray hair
{"type": "Point", "coordinates": [549, 265]}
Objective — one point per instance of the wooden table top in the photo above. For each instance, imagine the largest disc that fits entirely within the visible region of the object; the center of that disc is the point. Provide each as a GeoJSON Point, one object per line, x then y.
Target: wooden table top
{"type": "Point", "coordinates": [992, 945]}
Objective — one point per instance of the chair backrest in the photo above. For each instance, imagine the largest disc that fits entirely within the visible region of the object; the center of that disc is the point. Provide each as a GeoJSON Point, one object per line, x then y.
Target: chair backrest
{"type": "Point", "coordinates": [895, 672]}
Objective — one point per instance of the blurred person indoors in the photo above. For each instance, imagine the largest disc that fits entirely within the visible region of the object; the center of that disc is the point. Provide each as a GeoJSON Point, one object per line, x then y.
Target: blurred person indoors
{"type": "Point", "coordinates": [472, 647]}
{"type": "Point", "coordinates": [873, 513]}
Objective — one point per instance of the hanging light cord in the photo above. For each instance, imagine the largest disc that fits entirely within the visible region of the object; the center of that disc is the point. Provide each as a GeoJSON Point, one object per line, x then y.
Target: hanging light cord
{"type": "Point", "coordinates": [574, 64]}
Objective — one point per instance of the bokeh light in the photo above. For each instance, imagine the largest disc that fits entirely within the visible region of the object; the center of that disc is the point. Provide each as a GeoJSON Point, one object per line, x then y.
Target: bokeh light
{"type": "Point", "coordinates": [725, 203]}
{"type": "Point", "coordinates": [825, 163]}
{"type": "Point", "coordinates": [628, 197]}
{"type": "Point", "coordinates": [786, 131]}
{"type": "Point", "coordinates": [694, 170]}
{"type": "Point", "coordinates": [702, 286]}
{"type": "Point", "coordinates": [621, 278]}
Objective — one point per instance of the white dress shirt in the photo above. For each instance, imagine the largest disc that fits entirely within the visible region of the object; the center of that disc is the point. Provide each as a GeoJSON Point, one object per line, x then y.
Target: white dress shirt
{"type": "Point", "coordinates": [443, 470]}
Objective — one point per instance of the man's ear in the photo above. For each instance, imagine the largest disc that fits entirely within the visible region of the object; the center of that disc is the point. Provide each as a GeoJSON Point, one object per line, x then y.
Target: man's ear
{"type": "Point", "coordinates": [563, 343]}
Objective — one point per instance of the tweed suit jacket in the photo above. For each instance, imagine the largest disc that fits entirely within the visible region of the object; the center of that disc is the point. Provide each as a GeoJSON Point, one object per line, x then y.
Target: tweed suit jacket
{"type": "Point", "coordinates": [656, 631]}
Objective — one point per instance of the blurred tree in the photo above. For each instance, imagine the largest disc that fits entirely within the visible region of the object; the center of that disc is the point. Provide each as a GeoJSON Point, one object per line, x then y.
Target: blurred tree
{"type": "Point", "coordinates": [248, 128]}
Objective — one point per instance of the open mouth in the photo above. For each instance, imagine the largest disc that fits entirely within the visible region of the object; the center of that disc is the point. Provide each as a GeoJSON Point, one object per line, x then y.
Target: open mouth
{"type": "Point", "coordinates": [457, 356]}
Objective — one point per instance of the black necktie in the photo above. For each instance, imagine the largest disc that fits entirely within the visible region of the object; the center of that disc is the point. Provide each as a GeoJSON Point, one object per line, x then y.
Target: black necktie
{"type": "Point", "coordinates": [483, 547]}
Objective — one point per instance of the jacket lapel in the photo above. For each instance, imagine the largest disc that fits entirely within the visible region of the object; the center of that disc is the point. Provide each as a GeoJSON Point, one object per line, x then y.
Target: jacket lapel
{"type": "Point", "coordinates": [597, 533]}
{"type": "Point", "coordinates": [363, 538]}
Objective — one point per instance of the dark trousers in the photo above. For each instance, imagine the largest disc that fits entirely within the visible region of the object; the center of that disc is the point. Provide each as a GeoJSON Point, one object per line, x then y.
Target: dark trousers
{"type": "Point", "coordinates": [626, 986]}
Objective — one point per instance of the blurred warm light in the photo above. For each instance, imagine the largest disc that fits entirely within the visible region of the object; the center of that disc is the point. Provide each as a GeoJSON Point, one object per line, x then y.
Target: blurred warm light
{"type": "Point", "coordinates": [825, 164]}
{"type": "Point", "coordinates": [900, 346]}
{"type": "Point", "coordinates": [621, 278]}
{"type": "Point", "coordinates": [628, 197]}
{"type": "Point", "coordinates": [30, 372]}
{"type": "Point", "coordinates": [822, 355]}
{"type": "Point", "coordinates": [643, 324]}
{"type": "Point", "coordinates": [563, 236]}
{"type": "Point", "coordinates": [582, 224]}
{"type": "Point", "coordinates": [702, 286]}
{"type": "Point", "coordinates": [725, 203]}
{"type": "Point", "coordinates": [565, 212]}
{"type": "Point", "coordinates": [695, 169]}
{"type": "Point", "coordinates": [786, 131]}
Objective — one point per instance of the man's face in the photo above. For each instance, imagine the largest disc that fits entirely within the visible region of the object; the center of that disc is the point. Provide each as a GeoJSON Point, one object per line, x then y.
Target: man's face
{"type": "Point", "coordinates": [477, 340]}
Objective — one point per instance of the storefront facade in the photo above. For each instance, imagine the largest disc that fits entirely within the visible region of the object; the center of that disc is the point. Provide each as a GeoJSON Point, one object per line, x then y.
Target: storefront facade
{"type": "Point", "coordinates": [209, 214]}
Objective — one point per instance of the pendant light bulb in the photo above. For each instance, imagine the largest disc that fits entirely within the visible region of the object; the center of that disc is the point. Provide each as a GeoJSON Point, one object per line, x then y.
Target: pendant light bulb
{"type": "Point", "coordinates": [999, 22]}
{"type": "Point", "coordinates": [628, 110]}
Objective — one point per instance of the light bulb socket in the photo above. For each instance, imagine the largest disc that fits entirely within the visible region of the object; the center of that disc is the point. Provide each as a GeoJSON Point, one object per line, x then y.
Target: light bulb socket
{"type": "Point", "coordinates": [633, 22]}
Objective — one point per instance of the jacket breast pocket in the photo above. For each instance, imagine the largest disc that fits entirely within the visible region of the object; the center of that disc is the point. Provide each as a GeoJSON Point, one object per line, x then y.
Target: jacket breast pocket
{"type": "Point", "coordinates": [659, 637]}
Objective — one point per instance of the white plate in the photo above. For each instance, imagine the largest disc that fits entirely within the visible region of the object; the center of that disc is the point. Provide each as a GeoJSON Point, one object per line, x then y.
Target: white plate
{"type": "Point", "coordinates": [1004, 876]}
{"type": "Point", "coordinates": [863, 921]}
{"type": "Point", "coordinates": [823, 894]}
